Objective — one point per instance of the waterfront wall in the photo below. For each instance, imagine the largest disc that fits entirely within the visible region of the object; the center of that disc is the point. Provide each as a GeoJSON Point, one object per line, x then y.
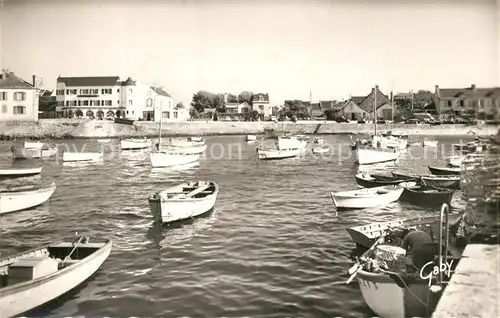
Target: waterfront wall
{"type": "Point", "coordinates": [54, 128]}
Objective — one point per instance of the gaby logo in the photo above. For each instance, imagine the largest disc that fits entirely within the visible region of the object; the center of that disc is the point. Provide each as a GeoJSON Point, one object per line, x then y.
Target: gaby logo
{"type": "Point", "coordinates": [445, 268]}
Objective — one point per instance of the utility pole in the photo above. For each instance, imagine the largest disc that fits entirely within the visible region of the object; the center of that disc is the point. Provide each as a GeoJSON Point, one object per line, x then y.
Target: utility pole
{"type": "Point", "coordinates": [392, 98]}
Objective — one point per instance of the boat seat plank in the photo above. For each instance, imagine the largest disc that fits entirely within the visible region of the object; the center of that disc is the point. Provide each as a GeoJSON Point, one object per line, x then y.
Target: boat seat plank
{"type": "Point", "coordinates": [70, 245]}
{"type": "Point", "coordinates": [198, 190]}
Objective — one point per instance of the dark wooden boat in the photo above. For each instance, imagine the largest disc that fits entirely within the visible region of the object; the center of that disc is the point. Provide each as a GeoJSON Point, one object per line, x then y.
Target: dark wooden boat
{"type": "Point", "coordinates": [424, 195]}
{"type": "Point", "coordinates": [444, 171]}
{"type": "Point", "coordinates": [438, 181]}
{"type": "Point", "coordinates": [376, 180]}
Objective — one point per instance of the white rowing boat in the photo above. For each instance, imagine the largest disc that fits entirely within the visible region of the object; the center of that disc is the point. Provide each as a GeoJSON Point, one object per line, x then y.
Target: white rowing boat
{"type": "Point", "coordinates": [165, 159]}
{"type": "Point", "coordinates": [274, 154]}
{"type": "Point", "coordinates": [17, 198]}
{"type": "Point", "coordinates": [35, 277]}
{"type": "Point", "coordinates": [366, 198]}
{"type": "Point", "coordinates": [183, 201]}
{"type": "Point", "coordinates": [13, 172]}
{"type": "Point", "coordinates": [82, 156]}
{"type": "Point", "coordinates": [135, 144]}
{"type": "Point", "coordinates": [45, 151]}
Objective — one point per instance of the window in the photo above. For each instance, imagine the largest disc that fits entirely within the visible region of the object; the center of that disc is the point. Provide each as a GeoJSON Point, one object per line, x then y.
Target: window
{"type": "Point", "coordinates": [67, 92]}
{"type": "Point", "coordinates": [73, 103]}
{"type": "Point", "coordinates": [261, 107]}
{"type": "Point", "coordinates": [84, 91]}
{"type": "Point", "coordinates": [127, 112]}
{"type": "Point", "coordinates": [108, 103]}
{"type": "Point", "coordinates": [67, 103]}
{"type": "Point", "coordinates": [132, 112]}
{"type": "Point", "coordinates": [19, 96]}
{"type": "Point", "coordinates": [98, 103]}
{"type": "Point", "coordinates": [102, 103]}
{"type": "Point", "coordinates": [79, 103]}
{"type": "Point", "coordinates": [95, 91]}
{"type": "Point", "coordinates": [106, 91]}
{"type": "Point", "coordinates": [3, 95]}
{"type": "Point", "coordinates": [60, 92]}
{"type": "Point", "coordinates": [462, 103]}
{"type": "Point", "coordinates": [85, 103]}
{"type": "Point", "coordinates": [449, 103]}
{"type": "Point", "coordinates": [72, 91]}
{"type": "Point", "coordinates": [130, 102]}
{"type": "Point", "coordinates": [166, 115]}
{"type": "Point", "coordinates": [118, 90]}
{"type": "Point", "coordinates": [4, 109]}
{"type": "Point", "coordinates": [175, 115]}
{"type": "Point", "coordinates": [130, 91]}
{"type": "Point", "coordinates": [91, 103]}
{"type": "Point", "coordinates": [19, 110]}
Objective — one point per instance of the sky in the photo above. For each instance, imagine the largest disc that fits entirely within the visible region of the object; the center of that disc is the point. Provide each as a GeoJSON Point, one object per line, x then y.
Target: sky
{"type": "Point", "coordinates": [289, 49]}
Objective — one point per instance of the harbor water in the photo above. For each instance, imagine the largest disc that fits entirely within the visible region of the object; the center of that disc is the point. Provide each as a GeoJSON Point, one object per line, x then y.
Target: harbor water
{"type": "Point", "coordinates": [272, 246]}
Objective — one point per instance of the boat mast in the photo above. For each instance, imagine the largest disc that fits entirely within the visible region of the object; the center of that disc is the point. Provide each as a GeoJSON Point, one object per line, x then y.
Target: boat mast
{"type": "Point", "coordinates": [392, 99]}
{"type": "Point", "coordinates": [375, 109]}
{"type": "Point", "coordinates": [161, 118]}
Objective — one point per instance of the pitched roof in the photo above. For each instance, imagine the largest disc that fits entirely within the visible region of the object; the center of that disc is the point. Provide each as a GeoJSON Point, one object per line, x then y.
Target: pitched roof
{"type": "Point", "coordinates": [128, 82]}
{"type": "Point", "coordinates": [160, 91]}
{"type": "Point", "coordinates": [329, 104]}
{"type": "Point", "coordinates": [368, 101]}
{"type": "Point", "coordinates": [357, 99]}
{"type": "Point", "coordinates": [10, 80]}
{"type": "Point", "coordinates": [89, 81]}
{"type": "Point", "coordinates": [468, 92]}
{"type": "Point", "coordinates": [266, 96]}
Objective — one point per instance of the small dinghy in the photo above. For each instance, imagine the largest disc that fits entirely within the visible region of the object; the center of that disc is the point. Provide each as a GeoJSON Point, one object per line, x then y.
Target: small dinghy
{"type": "Point", "coordinates": [82, 156]}
{"type": "Point", "coordinates": [368, 180]}
{"type": "Point", "coordinates": [186, 142]}
{"type": "Point", "coordinates": [274, 154]}
{"type": "Point", "coordinates": [438, 181]}
{"type": "Point", "coordinates": [135, 144]}
{"type": "Point", "coordinates": [35, 277]}
{"type": "Point", "coordinates": [13, 172]}
{"type": "Point", "coordinates": [35, 151]}
{"type": "Point", "coordinates": [365, 235]}
{"type": "Point", "coordinates": [318, 150]}
{"type": "Point", "coordinates": [430, 143]}
{"type": "Point", "coordinates": [366, 198]}
{"type": "Point", "coordinates": [183, 201]}
{"type": "Point", "coordinates": [444, 171]}
{"type": "Point", "coordinates": [167, 159]}
{"type": "Point", "coordinates": [251, 138]}
{"type": "Point", "coordinates": [423, 195]}
{"type": "Point", "coordinates": [17, 198]}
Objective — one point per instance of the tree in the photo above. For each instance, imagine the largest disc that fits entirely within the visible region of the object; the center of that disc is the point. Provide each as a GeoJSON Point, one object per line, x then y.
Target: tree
{"type": "Point", "coordinates": [202, 100]}
{"type": "Point", "coordinates": [218, 103]}
{"type": "Point", "coordinates": [179, 105]}
{"type": "Point", "coordinates": [193, 112]}
{"type": "Point", "coordinates": [232, 98]}
{"type": "Point", "coordinates": [245, 96]}
{"type": "Point", "coordinates": [422, 98]}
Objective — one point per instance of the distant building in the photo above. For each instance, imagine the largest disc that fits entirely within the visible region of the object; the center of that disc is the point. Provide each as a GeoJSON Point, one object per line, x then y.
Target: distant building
{"type": "Point", "coordinates": [238, 108]}
{"type": "Point", "coordinates": [470, 101]}
{"type": "Point", "coordinates": [358, 107]}
{"type": "Point", "coordinates": [47, 104]}
{"type": "Point", "coordinates": [18, 98]}
{"type": "Point", "coordinates": [108, 97]}
{"type": "Point", "coordinates": [260, 103]}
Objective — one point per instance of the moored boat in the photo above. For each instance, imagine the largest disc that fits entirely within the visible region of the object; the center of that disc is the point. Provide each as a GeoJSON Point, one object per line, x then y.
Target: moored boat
{"type": "Point", "coordinates": [291, 142]}
{"type": "Point", "coordinates": [33, 144]}
{"type": "Point", "coordinates": [186, 142]}
{"type": "Point", "coordinates": [455, 161]}
{"type": "Point", "coordinates": [194, 150]}
{"type": "Point", "coordinates": [439, 181]}
{"type": "Point", "coordinates": [82, 156]}
{"type": "Point", "coordinates": [17, 198]}
{"type": "Point", "coordinates": [368, 180]}
{"type": "Point", "coordinates": [135, 144]}
{"type": "Point", "coordinates": [274, 154]}
{"type": "Point", "coordinates": [430, 143]}
{"type": "Point", "coordinates": [184, 201]}
{"type": "Point", "coordinates": [35, 277]}
{"type": "Point", "coordinates": [364, 155]}
{"type": "Point", "coordinates": [440, 171]}
{"type": "Point", "coordinates": [13, 172]}
{"type": "Point", "coordinates": [423, 195]}
{"type": "Point", "coordinates": [384, 273]}
{"type": "Point", "coordinates": [45, 151]}
{"type": "Point", "coordinates": [322, 149]}
{"type": "Point", "coordinates": [271, 133]}
{"type": "Point", "coordinates": [367, 197]}
{"type": "Point", "coordinates": [165, 159]}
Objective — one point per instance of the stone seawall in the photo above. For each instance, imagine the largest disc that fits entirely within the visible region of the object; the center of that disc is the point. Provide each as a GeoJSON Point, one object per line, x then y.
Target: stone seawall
{"type": "Point", "coordinates": [59, 129]}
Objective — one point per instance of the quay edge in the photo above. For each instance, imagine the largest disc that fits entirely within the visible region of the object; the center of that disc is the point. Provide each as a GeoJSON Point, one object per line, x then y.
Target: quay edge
{"type": "Point", "coordinates": [67, 129]}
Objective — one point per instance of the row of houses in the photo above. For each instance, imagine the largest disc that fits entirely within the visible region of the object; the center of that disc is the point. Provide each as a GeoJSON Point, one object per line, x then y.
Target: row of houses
{"type": "Point", "coordinates": [86, 97]}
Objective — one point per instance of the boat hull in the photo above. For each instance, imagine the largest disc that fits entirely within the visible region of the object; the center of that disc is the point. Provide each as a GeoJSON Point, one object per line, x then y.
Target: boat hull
{"type": "Point", "coordinates": [194, 150]}
{"type": "Point", "coordinates": [368, 200]}
{"type": "Point", "coordinates": [415, 196]}
{"type": "Point", "coordinates": [318, 150]}
{"type": "Point", "coordinates": [19, 172]}
{"type": "Point", "coordinates": [443, 181]}
{"type": "Point", "coordinates": [366, 156]}
{"type": "Point", "coordinates": [30, 295]}
{"type": "Point", "coordinates": [378, 181]}
{"type": "Point", "coordinates": [134, 144]}
{"type": "Point", "coordinates": [165, 159]}
{"type": "Point", "coordinates": [444, 171]}
{"type": "Point", "coordinates": [277, 154]}
{"type": "Point", "coordinates": [33, 153]}
{"type": "Point", "coordinates": [82, 156]}
{"type": "Point", "coordinates": [18, 201]}
{"type": "Point", "coordinates": [388, 300]}
{"type": "Point", "coordinates": [172, 210]}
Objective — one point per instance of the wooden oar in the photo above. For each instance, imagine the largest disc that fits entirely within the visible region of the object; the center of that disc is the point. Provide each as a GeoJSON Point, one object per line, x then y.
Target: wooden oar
{"type": "Point", "coordinates": [353, 271]}
{"type": "Point", "coordinates": [74, 248]}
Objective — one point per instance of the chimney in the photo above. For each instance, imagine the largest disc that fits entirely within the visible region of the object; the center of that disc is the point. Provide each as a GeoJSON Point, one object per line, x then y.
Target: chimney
{"type": "Point", "coordinates": [436, 88]}
{"type": "Point", "coordinates": [376, 87]}
{"type": "Point", "coordinates": [34, 80]}
{"type": "Point", "coordinates": [473, 87]}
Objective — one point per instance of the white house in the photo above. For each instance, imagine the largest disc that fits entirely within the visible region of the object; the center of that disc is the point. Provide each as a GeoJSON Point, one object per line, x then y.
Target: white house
{"type": "Point", "coordinates": [18, 98]}
{"type": "Point", "coordinates": [100, 97]}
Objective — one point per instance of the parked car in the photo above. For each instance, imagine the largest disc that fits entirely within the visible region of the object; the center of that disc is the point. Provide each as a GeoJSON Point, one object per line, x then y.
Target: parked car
{"type": "Point", "coordinates": [412, 121]}
{"type": "Point", "coordinates": [361, 121]}
{"type": "Point", "coordinates": [381, 121]}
